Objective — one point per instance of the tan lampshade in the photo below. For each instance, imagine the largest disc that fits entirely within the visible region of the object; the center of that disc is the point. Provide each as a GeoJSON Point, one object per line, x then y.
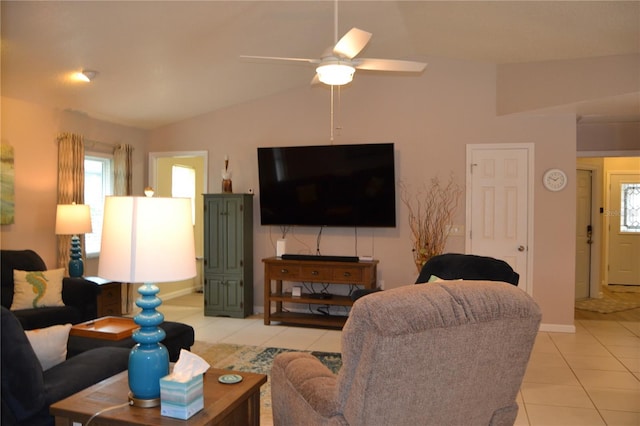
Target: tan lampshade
{"type": "Point", "coordinates": [147, 240]}
{"type": "Point", "coordinates": [73, 219]}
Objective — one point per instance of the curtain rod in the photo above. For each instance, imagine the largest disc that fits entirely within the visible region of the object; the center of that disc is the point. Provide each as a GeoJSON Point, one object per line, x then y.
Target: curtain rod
{"type": "Point", "coordinates": [92, 143]}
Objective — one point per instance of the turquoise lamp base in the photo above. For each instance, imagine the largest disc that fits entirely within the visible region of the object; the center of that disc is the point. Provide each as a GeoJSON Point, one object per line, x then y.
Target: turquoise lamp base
{"type": "Point", "coordinates": [148, 360]}
{"type": "Point", "coordinates": [76, 267]}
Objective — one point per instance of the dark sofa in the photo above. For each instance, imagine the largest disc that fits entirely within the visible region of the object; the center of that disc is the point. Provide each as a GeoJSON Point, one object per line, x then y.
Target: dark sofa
{"type": "Point", "coordinates": [28, 391]}
{"type": "Point", "coordinates": [78, 294]}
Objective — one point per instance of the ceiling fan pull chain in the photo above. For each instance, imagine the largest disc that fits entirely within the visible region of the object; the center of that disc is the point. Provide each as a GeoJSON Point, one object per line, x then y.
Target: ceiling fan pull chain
{"type": "Point", "coordinates": [331, 115]}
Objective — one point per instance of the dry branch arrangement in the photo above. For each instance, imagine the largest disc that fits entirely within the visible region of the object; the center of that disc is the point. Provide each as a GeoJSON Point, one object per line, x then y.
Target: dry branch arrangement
{"type": "Point", "coordinates": [431, 211]}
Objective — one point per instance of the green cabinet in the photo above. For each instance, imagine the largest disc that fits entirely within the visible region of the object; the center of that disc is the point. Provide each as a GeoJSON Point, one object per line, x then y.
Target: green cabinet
{"type": "Point", "coordinates": [228, 255]}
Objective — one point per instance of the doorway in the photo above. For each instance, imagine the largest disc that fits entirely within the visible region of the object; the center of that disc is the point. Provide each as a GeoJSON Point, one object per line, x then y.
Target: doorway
{"type": "Point", "coordinates": [500, 205]}
{"type": "Point", "coordinates": [602, 168]}
{"type": "Point", "coordinates": [162, 166]}
{"type": "Point", "coordinates": [623, 217]}
{"type": "Point", "coordinates": [584, 232]}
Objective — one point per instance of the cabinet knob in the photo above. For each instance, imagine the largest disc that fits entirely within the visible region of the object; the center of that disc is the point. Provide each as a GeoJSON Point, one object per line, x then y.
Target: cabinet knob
{"type": "Point", "coordinates": [284, 271]}
{"type": "Point", "coordinates": [314, 272]}
{"type": "Point", "coordinates": [346, 274]}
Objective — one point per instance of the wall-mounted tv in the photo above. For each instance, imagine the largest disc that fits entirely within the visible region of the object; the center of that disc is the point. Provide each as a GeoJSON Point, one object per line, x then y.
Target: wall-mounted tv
{"type": "Point", "coordinates": [328, 185]}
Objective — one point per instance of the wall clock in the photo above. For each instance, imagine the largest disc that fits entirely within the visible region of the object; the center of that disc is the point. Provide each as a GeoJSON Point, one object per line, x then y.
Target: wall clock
{"type": "Point", "coordinates": [554, 179]}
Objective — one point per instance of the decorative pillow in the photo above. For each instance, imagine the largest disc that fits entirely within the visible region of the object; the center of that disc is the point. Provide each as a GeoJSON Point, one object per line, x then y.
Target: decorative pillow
{"type": "Point", "coordinates": [36, 289]}
{"type": "Point", "coordinates": [50, 344]}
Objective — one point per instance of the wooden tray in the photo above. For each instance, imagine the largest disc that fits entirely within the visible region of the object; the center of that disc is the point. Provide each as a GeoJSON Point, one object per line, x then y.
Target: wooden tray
{"type": "Point", "coordinates": [107, 328]}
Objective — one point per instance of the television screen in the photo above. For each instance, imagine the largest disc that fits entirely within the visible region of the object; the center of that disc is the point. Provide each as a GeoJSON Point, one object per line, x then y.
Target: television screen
{"type": "Point", "coordinates": [328, 185]}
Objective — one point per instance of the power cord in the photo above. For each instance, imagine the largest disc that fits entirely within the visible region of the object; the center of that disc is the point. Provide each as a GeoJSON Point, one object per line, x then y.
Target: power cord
{"type": "Point", "coordinates": [318, 241]}
{"type": "Point", "coordinates": [107, 409]}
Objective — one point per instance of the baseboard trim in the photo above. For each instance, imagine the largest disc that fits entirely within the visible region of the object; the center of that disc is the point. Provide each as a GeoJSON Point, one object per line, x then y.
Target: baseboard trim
{"type": "Point", "coordinates": [178, 293]}
{"type": "Point", "coordinates": [558, 328]}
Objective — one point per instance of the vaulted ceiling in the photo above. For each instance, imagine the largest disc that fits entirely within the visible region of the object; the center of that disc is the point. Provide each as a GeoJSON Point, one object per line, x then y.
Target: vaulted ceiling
{"type": "Point", "coordinates": [163, 61]}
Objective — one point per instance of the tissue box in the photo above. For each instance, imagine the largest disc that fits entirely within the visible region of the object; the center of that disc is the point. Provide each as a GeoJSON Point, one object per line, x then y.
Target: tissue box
{"type": "Point", "coordinates": [181, 400]}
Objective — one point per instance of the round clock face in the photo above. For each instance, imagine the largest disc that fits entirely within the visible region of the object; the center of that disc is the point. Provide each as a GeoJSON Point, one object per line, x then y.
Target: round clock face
{"type": "Point", "coordinates": [554, 179]}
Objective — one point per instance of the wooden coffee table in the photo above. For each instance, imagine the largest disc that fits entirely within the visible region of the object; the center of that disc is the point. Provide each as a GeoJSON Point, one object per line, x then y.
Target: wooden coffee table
{"type": "Point", "coordinates": [224, 404]}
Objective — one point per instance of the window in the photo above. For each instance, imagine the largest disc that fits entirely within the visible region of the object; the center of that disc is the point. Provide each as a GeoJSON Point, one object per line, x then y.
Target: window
{"type": "Point", "coordinates": [98, 183]}
{"type": "Point", "coordinates": [630, 207]}
{"type": "Point", "coordinates": [183, 184]}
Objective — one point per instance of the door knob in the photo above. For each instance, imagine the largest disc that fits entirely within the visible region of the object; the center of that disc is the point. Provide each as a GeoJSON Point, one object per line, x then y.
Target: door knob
{"type": "Point", "coordinates": [520, 248]}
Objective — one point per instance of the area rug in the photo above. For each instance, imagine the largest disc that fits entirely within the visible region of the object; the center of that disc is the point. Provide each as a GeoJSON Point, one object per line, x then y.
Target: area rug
{"type": "Point", "coordinates": [255, 359]}
{"type": "Point", "coordinates": [606, 305]}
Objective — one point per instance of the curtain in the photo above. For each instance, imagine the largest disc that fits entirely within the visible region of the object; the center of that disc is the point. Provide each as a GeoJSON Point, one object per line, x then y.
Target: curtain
{"type": "Point", "coordinates": [122, 169]}
{"type": "Point", "coordinates": [70, 186]}
{"type": "Point", "coordinates": [122, 185]}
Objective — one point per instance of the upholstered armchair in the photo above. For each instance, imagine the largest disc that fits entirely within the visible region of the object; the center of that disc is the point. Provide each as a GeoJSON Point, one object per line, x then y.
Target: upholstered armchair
{"type": "Point", "coordinates": [79, 295]}
{"type": "Point", "coordinates": [448, 353]}
{"type": "Point", "coordinates": [457, 266]}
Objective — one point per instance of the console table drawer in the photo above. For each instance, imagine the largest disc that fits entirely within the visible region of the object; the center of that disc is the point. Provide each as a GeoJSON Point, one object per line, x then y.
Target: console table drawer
{"type": "Point", "coordinates": [347, 274]}
{"type": "Point", "coordinates": [110, 294]}
{"type": "Point", "coordinates": [313, 273]}
{"type": "Point", "coordinates": [284, 271]}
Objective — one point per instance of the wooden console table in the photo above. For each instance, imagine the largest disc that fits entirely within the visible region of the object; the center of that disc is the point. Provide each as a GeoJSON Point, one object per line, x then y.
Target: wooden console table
{"type": "Point", "coordinates": [362, 273]}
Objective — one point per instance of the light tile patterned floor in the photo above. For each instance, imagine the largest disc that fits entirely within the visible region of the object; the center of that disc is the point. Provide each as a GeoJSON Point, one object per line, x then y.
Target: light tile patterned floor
{"type": "Point", "coordinates": [591, 377]}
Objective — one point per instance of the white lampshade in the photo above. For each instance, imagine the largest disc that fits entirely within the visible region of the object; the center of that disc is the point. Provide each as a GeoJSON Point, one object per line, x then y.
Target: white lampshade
{"type": "Point", "coordinates": [73, 219]}
{"type": "Point", "coordinates": [147, 240]}
{"type": "Point", "coordinates": [335, 74]}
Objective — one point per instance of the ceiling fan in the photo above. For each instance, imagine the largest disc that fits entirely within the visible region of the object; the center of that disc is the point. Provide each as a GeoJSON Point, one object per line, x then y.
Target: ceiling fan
{"type": "Point", "coordinates": [338, 64]}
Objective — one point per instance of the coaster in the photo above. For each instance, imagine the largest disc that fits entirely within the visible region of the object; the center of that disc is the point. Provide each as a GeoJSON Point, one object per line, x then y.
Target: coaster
{"type": "Point", "coordinates": [230, 379]}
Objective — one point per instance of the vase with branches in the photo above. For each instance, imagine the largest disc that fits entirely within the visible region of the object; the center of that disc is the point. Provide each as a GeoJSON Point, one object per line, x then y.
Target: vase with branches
{"type": "Point", "coordinates": [431, 209]}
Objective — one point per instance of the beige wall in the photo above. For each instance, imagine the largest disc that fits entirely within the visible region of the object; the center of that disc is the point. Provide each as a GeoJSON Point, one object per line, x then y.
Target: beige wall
{"type": "Point", "coordinates": [31, 130]}
{"type": "Point", "coordinates": [430, 119]}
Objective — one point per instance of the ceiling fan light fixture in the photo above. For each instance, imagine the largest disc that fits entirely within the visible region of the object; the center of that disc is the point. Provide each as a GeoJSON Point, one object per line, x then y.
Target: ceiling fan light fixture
{"type": "Point", "coordinates": [335, 74]}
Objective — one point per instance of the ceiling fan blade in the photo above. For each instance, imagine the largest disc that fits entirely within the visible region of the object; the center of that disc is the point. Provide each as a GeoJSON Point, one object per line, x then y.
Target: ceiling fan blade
{"type": "Point", "coordinates": [388, 65]}
{"type": "Point", "coordinates": [279, 59]}
{"type": "Point", "coordinates": [352, 43]}
{"type": "Point", "coordinates": [315, 80]}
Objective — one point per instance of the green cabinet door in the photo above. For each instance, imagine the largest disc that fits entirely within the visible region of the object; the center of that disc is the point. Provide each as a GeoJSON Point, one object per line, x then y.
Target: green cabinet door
{"type": "Point", "coordinates": [228, 254]}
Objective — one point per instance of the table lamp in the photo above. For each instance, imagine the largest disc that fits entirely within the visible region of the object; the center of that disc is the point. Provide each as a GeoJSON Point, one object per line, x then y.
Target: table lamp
{"type": "Point", "coordinates": [74, 219]}
{"type": "Point", "coordinates": [147, 240]}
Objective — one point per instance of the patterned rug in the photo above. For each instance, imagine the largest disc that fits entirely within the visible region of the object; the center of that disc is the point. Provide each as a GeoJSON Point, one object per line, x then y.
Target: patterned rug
{"type": "Point", "coordinates": [255, 359]}
{"type": "Point", "coordinates": [607, 305]}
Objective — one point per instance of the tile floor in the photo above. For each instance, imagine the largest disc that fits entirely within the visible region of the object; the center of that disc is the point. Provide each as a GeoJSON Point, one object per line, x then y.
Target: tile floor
{"type": "Point", "coordinates": [591, 377]}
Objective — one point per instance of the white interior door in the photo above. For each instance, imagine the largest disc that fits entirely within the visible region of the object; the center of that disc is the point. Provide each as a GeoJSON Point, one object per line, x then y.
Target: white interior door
{"type": "Point", "coordinates": [584, 233]}
{"type": "Point", "coordinates": [623, 214]}
{"type": "Point", "coordinates": [499, 205]}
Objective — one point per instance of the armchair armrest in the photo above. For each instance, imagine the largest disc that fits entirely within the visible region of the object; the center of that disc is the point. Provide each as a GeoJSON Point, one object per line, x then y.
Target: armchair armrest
{"type": "Point", "coordinates": [299, 381]}
{"type": "Point", "coordinates": [82, 371]}
{"type": "Point", "coordinates": [81, 294]}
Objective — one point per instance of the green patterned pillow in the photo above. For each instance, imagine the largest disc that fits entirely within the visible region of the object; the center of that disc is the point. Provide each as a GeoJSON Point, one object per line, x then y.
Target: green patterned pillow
{"type": "Point", "coordinates": [37, 289]}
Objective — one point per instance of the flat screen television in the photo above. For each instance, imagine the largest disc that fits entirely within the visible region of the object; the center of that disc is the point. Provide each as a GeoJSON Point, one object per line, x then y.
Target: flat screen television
{"type": "Point", "coordinates": [328, 185]}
